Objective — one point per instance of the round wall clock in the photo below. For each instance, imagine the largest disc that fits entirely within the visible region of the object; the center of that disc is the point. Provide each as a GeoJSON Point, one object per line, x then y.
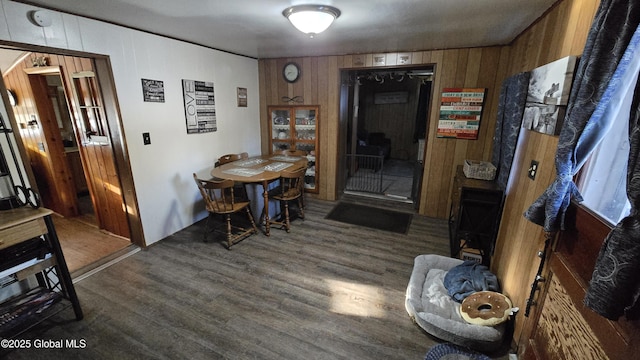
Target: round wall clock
{"type": "Point", "coordinates": [291, 72]}
{"type": "Point", "coordinates": [13, 100]}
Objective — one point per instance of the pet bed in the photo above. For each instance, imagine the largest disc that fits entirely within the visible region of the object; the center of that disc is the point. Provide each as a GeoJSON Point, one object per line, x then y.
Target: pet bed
{"type": "Point", "coordinates": [431, 307]}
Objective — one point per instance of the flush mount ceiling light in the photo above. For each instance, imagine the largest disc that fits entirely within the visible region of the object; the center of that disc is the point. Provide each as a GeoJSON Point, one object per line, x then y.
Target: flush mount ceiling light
{"type": "Point", "coordinates": [311, 19]}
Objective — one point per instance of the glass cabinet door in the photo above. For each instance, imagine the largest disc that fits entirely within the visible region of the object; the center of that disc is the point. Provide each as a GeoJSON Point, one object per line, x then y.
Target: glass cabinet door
{"type": "Point", "coordinates": [305, 139]}
{"type": "Point", "coordinates": [280, 129]}
{"type": "Point", "coordinates": [296, 128]}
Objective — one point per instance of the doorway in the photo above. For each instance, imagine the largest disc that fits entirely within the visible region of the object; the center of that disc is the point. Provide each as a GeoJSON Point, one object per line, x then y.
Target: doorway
{"type": "Point", "coordinates": [387, 114]}
{"type": "Point", "coordinates": [67, 119]}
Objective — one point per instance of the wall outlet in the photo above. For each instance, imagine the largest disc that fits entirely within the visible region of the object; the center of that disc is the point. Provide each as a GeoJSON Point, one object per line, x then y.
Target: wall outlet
{"type": "Point", "coordinates": [533, 170]}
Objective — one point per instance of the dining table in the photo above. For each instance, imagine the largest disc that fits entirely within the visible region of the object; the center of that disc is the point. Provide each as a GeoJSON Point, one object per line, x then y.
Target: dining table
{"type": "Point", "coordinates": [263, 170]}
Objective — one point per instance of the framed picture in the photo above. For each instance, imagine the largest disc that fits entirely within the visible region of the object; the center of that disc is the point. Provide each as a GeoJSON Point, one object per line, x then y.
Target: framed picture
{"type": "Point", "coordinates": [199, 106]}
{"type": "Point", "coordinates": [547, 96]}
{"type": "Point", "coordinates": [460, 113]}
{"type": "Point", "coordinates": [551, 83]}
{"type": "Point", "coordinates": [152, 90]}
{"type": "Point", "coordinates": [543, 118]}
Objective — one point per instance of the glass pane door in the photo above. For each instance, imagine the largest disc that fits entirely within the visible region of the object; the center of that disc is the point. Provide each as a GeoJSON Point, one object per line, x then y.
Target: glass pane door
{"type": "Point", "coordinates": [280, 129]}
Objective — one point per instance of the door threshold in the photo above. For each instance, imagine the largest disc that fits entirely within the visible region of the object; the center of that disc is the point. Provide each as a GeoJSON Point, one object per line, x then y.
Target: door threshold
{"type": "Point", "coordinates": [390, 197]}
{"type": "Point", "coordinates": [104, 263]}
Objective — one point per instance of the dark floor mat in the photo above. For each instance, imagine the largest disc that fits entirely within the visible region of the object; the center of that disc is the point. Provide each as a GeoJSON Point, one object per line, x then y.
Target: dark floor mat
{"type": "Point", "coordinates": [371, 217]}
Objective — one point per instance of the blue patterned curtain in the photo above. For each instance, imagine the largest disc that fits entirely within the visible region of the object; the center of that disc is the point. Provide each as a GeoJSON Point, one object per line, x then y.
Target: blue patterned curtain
{"type": "Point", "coordinates": [615, 285]}
{"type": "Point", "coordinates": [513, 98]}
{"type": "Point", "coordinates": [600, 70]}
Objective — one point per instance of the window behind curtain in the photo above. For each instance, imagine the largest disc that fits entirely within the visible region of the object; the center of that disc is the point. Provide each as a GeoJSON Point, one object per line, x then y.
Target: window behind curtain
{"type": "Point", "coordinates": [603, 179]}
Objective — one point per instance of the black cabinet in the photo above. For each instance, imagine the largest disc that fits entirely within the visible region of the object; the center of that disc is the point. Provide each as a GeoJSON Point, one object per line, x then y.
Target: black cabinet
{"type": "Point", "coordinates": [476, 209]}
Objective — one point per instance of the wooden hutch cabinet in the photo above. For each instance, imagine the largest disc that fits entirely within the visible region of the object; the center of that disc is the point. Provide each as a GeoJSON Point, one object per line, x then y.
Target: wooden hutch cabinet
{"type": "Point", "coordinates": [296, 128]}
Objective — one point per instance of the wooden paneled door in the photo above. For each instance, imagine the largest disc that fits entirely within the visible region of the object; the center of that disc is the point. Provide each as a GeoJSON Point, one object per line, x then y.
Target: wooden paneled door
{"type": "Point", "coordinates": [53, 173]}
{"type": "Point", "coordinates": [564, 327]}
{"type": "Point", "coordinates": [97, 154]}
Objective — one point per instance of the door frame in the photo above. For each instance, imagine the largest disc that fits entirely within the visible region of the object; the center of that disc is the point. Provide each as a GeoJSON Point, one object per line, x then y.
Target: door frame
{"type": "Point", "coordinates": [116, 134]}
{"type": "Point", "coordinates": [348, 118]}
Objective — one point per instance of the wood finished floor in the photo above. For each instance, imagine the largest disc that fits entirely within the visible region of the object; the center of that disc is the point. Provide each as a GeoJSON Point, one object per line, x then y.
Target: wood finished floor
{"type": "Point", "coordinates": [326, 290]}
{"type": "Point", "coordinates": [83, 243]}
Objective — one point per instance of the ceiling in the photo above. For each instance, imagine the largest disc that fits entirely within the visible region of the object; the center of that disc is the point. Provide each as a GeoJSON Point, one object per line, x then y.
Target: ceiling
{"type": "Point", "coordinates": [257, 28]}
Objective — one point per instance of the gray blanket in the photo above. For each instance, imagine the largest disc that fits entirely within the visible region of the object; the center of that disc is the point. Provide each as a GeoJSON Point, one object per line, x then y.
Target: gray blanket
{"type": "Point", "coordinates": [467, 278]}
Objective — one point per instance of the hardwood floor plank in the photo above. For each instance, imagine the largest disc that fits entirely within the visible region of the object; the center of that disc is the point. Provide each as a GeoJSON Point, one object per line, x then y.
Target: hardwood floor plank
{"type": "Point", "coordinates": [84, 244]}
{"type": "Point", "coordinates": [326, 290]}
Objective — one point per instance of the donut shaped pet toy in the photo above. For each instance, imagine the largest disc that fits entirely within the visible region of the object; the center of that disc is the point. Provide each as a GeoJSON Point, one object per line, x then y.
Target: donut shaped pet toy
{"type": "Point", "coordinates": [485, 308]}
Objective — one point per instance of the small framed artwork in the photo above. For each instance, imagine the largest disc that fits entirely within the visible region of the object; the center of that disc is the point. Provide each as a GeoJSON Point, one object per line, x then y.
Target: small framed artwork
{"type": "Point", "coordinates": [404, 58]}
{"type": "Point", "coordinates": [543, 118]}
{"type": "Point", "coordinates": [153, 90]}
{"type": "Point", "coordinates": [379, 60]}
{"type": "Point", "coordinates": [359, 60]}
{"type": "Point", "coordinates": [242, 97]}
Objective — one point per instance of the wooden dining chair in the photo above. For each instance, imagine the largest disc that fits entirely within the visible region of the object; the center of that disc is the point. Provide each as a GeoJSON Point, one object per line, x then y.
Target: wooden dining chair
{"type": "Point", "coordinates": [225, 159]}
{"type": "Point", "coordinates": [292, 152]}
{"type": "Point", "coordinates": [295, 152]}
{"type": "Point", "coordinates": [219, 200]}
{"type": "Point", "coordinates": [240, 189]}
{"type": "Point", "coordinates": [290, 188]}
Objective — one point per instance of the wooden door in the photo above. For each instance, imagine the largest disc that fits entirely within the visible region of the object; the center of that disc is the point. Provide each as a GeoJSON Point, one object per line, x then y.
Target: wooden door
{"type": "Point", "coordinates": [565, 328]}
{"type": "Point", "coordinates": [53, 173]}
{"type": "Point", "coordinates": [97, 154]}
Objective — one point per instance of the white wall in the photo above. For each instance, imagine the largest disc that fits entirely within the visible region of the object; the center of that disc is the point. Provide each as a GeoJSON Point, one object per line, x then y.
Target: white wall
{"type": "Point", "coordinates": [167, 196]}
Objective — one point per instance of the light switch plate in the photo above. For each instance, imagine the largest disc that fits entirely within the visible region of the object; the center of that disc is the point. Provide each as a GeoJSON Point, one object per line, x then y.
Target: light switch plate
{"type": "Point", "coordinates": [533, 170]}
{"type": "Point", "coordinates": [146, 138]}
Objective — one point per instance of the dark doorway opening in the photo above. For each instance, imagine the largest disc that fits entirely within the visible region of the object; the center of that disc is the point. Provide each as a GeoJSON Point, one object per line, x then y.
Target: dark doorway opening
{"type": "Point", "coordinates": [387, 122]}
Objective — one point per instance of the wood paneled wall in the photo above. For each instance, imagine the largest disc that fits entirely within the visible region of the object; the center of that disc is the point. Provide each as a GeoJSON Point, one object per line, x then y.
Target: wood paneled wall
{"type": "Point", "coordinates": [561, 32]}
{"type": "Point", "coordinates": [320, 85]}
{"type": "Point", "coordinates": [474, 68]}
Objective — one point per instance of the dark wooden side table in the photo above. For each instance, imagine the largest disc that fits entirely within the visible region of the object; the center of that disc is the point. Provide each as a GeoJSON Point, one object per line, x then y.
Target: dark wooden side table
{"type": "Point", "coordinates": [474, 218]}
